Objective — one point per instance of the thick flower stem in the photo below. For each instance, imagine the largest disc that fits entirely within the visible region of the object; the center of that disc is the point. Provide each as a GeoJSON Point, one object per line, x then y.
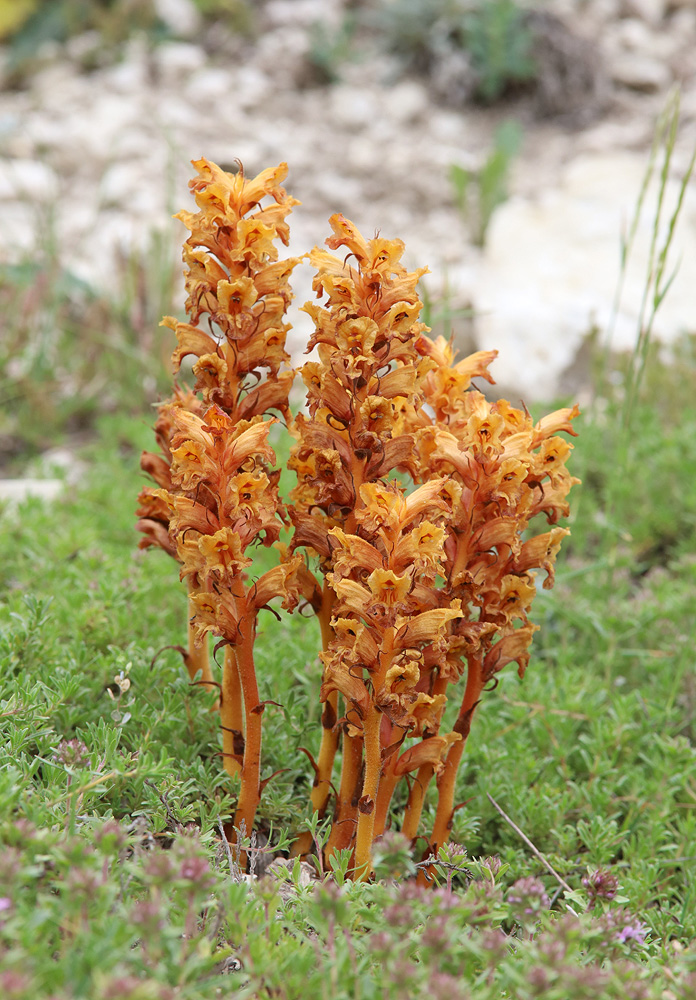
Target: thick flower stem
{"type": "Point", "coordinates": [447, 780]}
{"type": "Point", "coordinates": [343, 827]}
{"type": "Point", "coordinates": [321, 789]}
{"type": "Point", "coordinates": [250, 791]}
{"type": "Point", "coordinates": [419, 785]}
{"type": "Point", "coordinates": [329, 735]}
{"type": "Point", "coordinates": [386, 790]}
{"type": "Point", "coordinates": [232, 714]}
{"type": "Point", "coordinates": [368, 800]}
{"type": "Point", "coordinates": [367, 806]}
{"type": "Point", "coordinates": [416, 800]}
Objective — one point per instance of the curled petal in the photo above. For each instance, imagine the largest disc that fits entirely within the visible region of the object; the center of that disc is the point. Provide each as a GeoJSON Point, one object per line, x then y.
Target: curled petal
{"type": "Point", "coordinates": [281, 581]}
{"type": "Point", "coordinates": [191, 341]}
{"type": "Point", "coordinates": [210, 371]}
{"type": "Point", "coordinates": [554, 423]}
{"type": "Point", "coordinates": [430, 496]}
{"type": "Point", "coordinates": [402, 676]}
{"type": "Point", "coordinates": [347, 235]}
{"type": "Point", "coordinates": [512, 648]}
{"type": "Point", "coordinates": [432, 751]}
{"type": "Point", "coordinates": [383, 506]}
{"type": "Point", "coordinates": [222, 553]}
{"type": "Point", "coordinates": [234, 296]}
{"type": "Point", "coordinates": [216, 613]}
{"type": "Point", "coordinates": [540, 553]}
{"type": "Point", "coordinates": [427, 626]}
{"type": "Point", "coordinates": [337, 678]}
{"type": "Point", "coordinates": [357, 639]}
{"type": "Point", "coordinates": [388, 587]}
{"type": "Point", "coordinates": [350, 552]}
{"type": "Point", "coordinates": [356, 597]}
{"type": "Point", "coordinates": [157, 468]}
{"type": "Point", "coordinates": [310, 531]}
{"type": "Point", "coordinates": [155, 534]}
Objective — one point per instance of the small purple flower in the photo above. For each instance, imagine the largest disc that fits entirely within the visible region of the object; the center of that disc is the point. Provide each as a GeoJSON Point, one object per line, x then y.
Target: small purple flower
{"type": "Point", "coordinates": [71, 753]}
{"type": "Point", "coordinates": [196, 870]}
{"type": "Point", "coordinates": [5, 903]}
{"type": "Point", "coordinates": [622, 926]}
{"type": "Point", "coordinates": [635, 931]}
{"type": "Point", "coordinates": [601, 884]}
{"type": "Point", "coordinates": [492, 863]}
{"type": "Point", "coordinates": [528, 897]}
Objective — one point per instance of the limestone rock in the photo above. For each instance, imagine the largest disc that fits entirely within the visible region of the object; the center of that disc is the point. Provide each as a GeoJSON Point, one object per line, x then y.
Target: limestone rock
{"type": "Point", "coordinates": [27, 179]}
{"type": "Point", "coordinates": [640, 72]}
{"type": "Point", "coordinates": [550, 272]}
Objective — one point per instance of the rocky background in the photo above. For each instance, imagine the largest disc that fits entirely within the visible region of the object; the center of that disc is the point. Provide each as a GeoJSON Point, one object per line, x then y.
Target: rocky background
{"type": "Point", "coordinates": [95, 151]}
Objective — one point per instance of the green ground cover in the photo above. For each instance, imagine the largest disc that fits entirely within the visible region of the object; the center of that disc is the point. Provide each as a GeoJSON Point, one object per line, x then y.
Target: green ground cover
{"type": "Point", "coordinates": [116, 881]}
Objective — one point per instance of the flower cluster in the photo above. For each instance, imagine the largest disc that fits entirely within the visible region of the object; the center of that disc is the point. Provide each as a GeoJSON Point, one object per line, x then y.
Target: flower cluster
{"type": "Point", "coordinates": [422, 590]}
{"type": "Point", "coordinates": [509, 470]}
{"type": "Point", "coordinates": [217, 493]}
{"type": "Point", "coordinates": [415, 499]}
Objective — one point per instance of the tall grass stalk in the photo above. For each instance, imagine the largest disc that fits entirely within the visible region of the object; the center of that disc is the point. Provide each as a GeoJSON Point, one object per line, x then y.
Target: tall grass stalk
{"type": "Point", "coordinates": [658, 280]}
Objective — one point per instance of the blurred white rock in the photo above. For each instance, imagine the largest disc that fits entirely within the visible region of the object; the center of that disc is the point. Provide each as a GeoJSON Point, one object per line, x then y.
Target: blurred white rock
{"type": "Point", "coordinates": [15, 491]}
{"type": "Point", "coordinates": [180, 16]}
{"type": "Point", "coordinates": [551, 266]}
{"type": "Point", "coordinates": [27, 179]}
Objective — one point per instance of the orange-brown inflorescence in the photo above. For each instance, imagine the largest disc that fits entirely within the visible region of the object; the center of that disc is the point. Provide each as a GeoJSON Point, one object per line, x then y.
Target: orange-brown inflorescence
{"type": "Point", "coordinates": [415, 495]}
{"type": "Point", "coordinates": [425, 589]}
{"type": "Point", "coordinates": [367, 377]}
{"type": "Point", "coordinates": [216, 492]}
{"type": "Point", "coordinates": [510, 470]}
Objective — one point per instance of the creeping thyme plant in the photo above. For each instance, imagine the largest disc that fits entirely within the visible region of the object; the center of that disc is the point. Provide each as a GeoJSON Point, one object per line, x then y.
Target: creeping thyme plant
{"type": "Point", "coordinates": [410, 533]}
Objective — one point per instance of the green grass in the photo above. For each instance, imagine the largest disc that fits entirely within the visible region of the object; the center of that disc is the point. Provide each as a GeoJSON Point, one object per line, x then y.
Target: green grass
{"type": "Point", "coordinates": [591, 755]}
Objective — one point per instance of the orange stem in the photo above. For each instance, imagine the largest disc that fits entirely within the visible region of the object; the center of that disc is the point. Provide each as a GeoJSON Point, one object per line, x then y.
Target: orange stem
{"type": "Point", "coordinates": [373, 765]}
{"type": "Point", "coordinates": [343, 828]}
{"type": "Point", "coordinates": [416, 800]}
{"type": "Point", "coordinates": [368, 800]}
{"type": "Point", "coordinates": [447, 781]}
{"type": "Point", "coordinates": [384, 796]}
{"type": "Point", "coordinates": [419, 785]}
{"type": "Point", "coordinates": [198, 659]}
{"type": "Point", "coordinates": [232, 714]}
{"type": "Point", "coordinates": [250, 792]}
{"type": "Point", "coordinates": [329, 736]}
{"type": "Point", "coordinates": [321, 788]}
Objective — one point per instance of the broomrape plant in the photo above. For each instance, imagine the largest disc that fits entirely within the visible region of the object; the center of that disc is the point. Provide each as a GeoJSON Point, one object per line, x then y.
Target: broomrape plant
{"type": "Point", "coordinates": [422, 591]}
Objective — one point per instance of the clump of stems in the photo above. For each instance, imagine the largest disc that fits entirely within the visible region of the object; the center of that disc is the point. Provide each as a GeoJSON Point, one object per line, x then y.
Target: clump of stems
{"type": "Point", "coordinates": [414, 506]}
